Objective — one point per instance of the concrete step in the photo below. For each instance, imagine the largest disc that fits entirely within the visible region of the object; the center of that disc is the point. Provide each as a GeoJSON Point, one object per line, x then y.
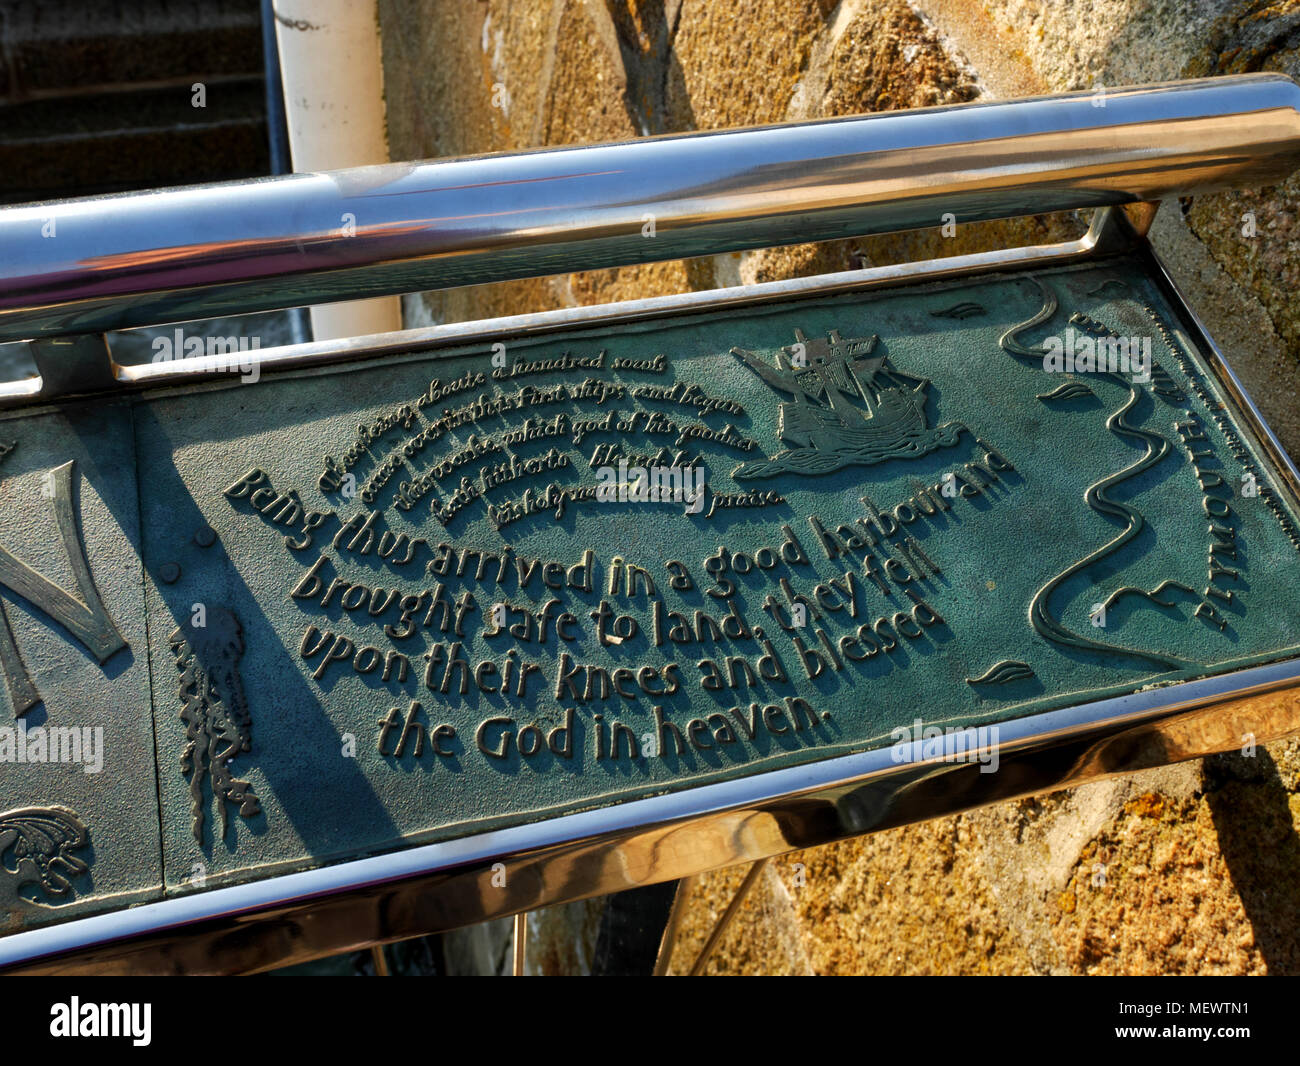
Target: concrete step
{"type": "Point", "coordinates": [99, 97]}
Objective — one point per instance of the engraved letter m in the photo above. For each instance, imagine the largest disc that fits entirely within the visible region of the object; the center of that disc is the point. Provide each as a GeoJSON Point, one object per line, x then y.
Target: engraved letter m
{"type": "Point", "coordinates": [85, 618]}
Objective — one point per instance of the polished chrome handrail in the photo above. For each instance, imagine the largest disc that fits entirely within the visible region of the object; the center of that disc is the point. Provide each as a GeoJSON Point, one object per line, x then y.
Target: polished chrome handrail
{"type": "Point", "coordinates": [85, 266]}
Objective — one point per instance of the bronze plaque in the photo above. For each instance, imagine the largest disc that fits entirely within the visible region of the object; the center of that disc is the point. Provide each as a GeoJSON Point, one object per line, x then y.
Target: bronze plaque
{"type": "Point", "coordinates": [344, 610]}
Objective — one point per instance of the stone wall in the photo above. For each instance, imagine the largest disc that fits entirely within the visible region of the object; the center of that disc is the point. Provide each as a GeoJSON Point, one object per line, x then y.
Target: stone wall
{"type": "Point", "coordinates": [1189, 869]}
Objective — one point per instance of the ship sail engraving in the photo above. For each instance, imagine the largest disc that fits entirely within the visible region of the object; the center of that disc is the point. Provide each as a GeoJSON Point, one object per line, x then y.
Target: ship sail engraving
{"type": "Point", "coordinates": [847, 407]}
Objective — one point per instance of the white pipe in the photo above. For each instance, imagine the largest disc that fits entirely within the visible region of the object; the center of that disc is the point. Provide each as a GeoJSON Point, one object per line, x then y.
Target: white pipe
{"type": "Point", "coordinates": [334, 104]}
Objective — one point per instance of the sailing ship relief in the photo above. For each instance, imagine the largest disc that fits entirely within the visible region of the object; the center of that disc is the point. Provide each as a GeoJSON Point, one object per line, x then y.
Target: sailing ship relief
{"type": "Point", "coordinates": [848, 408]}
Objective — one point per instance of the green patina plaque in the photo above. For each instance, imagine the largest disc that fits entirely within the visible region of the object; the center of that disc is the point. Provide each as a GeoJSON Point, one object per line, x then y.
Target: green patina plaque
{"type": "Point", "coordinates": [416, 598]}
